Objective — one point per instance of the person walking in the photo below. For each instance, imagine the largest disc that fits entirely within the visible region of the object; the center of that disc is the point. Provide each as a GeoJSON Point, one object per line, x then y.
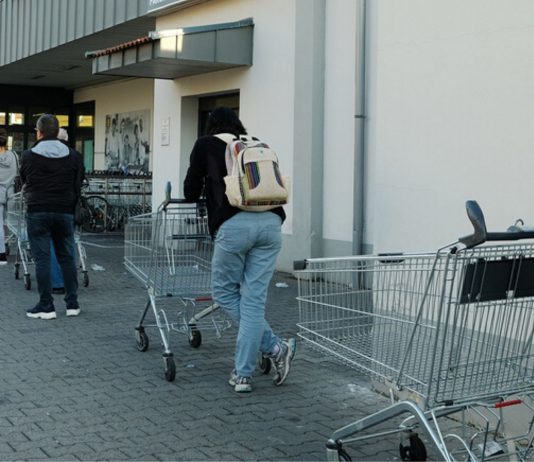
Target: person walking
{"type": "Point", "coordinates": [246, 247]}
{"type": "Point", "coordinates": [49, 172]}
{"type": "Point", "coordinates": [8, 173]}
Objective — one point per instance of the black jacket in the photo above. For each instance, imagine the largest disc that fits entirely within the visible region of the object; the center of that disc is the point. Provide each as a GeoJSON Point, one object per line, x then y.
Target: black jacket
{"type": "Point", "coordinates": [207, 170]}
{"type": "Point", "coordinates": [51, 173]}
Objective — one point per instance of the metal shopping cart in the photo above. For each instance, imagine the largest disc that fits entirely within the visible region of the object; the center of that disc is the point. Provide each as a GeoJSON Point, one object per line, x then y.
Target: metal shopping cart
{"type": "Point", "coordinates": [449, 334]}
{"type": "Point", "coordinates": [16, 223]}
{"type": "Point", "coordinates": [170, 252]}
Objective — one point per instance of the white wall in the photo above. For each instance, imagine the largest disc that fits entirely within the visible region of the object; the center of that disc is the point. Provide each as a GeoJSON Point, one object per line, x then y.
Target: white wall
{"type": "Point", "coordinates": [266, 88]}
{"type": "Point", "coordinates": [449, 118]}
{"type": "Point", "coordinates": [112, 98]}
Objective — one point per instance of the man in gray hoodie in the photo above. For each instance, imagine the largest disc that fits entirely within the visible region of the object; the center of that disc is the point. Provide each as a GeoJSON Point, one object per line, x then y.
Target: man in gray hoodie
{"type": "Point", "coordinates": [51, 172]}
{"type": "Point", "coordinates": [8, 172]}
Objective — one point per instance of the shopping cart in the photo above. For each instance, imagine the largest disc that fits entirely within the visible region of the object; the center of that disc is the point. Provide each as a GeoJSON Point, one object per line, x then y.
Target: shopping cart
{"type": "Point", "coordinates": [450, 333]}
{"type": "Point", "coordinates": [170, 252]}
{"type": "Point", "coordinates": [16, 223]}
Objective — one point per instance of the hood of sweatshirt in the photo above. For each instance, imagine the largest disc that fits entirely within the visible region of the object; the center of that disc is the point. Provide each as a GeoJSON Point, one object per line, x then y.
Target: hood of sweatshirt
{"type": "Point", "coordinates": [7, 160]}
{"type": "Point", "coordinates": [53, 149]}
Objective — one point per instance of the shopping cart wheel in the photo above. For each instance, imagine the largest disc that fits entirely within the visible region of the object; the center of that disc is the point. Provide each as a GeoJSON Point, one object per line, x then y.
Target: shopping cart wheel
{"type": "Point", "coordinates": [170, 367]}
{"type": "Point", "coordinates": [85, 279]}
{"type": "Point", "coordinates": [415, 451]}
{"type": "Point", "coordinates": [141, 339]}
{"type": "Point", "coordinates": [195, 337]}
{"type": "Point", "coordinates": [17, 274]}
{"type": "Point", "coordinates": [264, 364]}
{"type": "Point", "coordinates": [27, 282]}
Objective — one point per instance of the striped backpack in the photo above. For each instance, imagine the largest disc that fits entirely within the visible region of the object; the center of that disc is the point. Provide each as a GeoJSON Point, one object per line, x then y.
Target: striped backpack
{"type": "Point", "coordinates": [254, 182]}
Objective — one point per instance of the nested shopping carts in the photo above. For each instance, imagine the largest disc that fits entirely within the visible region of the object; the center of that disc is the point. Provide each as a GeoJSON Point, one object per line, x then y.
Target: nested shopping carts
{"type": "Point", "coordinates": [170, 252]}
{"type": "Point", "coordinates": [450, 333]}
{"type": "Point", "coordinates": [16, 223]}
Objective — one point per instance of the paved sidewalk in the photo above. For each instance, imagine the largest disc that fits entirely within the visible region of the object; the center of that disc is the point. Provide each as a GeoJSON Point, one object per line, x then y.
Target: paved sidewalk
{"type": "Point", "coordinates": [78, 389]}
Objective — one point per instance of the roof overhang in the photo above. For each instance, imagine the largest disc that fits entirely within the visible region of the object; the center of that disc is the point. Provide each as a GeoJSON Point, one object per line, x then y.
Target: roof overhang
{"type": "Point", "coordinates": [171, 54]}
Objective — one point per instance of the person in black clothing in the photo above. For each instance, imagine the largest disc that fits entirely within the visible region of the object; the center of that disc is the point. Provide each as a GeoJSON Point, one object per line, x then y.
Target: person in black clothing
{"type": "Point", "coordinates": [244, 257]}
{"type": "Point", "coordinates": [49, 172]}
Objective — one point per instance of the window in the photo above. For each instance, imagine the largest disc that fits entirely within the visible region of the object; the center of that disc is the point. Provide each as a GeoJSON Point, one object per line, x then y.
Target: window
{"type": "Point", "coordinates": [84, 121]}
{"type": "Point", "coordinates": [2, 118]}
{"type": "Point", "coordinates": [16, 118]}
{"type": "Point", "coordinates": [63, 120]}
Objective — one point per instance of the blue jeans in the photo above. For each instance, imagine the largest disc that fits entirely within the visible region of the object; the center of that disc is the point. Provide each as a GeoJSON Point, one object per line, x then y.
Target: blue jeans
{"type": "Point", "coordinates": [55, 270]}
{"type": "Point", "coordinates": [43, 226]}
{"type": "Point", "coordinates": [243, 264]}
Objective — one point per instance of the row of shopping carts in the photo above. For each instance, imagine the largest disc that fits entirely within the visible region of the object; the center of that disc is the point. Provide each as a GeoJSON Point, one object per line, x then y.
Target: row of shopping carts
{"type": "Point", "coordinates": [449, 334]}
{"type": "Point", "coordinates": [112, 200]}
{"type": "Point", "coordinates": [18, 238]}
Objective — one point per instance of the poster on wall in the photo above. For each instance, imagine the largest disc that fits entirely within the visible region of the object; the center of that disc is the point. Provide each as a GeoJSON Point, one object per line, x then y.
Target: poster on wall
{"type": "Point", "coordinates": [127, 141]}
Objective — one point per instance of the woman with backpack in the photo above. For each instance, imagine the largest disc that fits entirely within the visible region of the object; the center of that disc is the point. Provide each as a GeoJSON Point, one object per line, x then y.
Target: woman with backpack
{"type": "Point", "coordinates": [8, 173]}
{"type": "Point", "coordinates": [246, 247]}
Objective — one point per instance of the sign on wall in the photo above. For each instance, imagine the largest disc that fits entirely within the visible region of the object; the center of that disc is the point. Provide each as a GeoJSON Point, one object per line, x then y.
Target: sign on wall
{"type": "Point", "coordinates": [128, 141]}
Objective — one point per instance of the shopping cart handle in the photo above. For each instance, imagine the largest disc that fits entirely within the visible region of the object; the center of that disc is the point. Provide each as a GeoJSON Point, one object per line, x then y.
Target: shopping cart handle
{"type": "Point", "coordinates": [474, 212]}
{"type": "Point", "coordinates": [480, 234]}
{"type": "Point", "coordinates": [299, 265]}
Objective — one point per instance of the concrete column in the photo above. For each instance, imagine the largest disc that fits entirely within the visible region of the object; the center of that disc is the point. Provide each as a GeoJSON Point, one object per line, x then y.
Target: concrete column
{"type": "Point", "coordinates": [306, 240]}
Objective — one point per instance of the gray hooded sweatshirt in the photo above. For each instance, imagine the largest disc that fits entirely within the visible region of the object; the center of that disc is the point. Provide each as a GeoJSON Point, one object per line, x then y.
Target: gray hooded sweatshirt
{"type": "Point", "coordinates": [8, 172]}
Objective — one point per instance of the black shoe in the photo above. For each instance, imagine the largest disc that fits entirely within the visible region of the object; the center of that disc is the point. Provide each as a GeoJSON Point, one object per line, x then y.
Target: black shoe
{"type": "Point", "coordinates": [3, 259]}
{"type": "Point", "coordinates": [58, 290]}
{"type": "Point", "coordinates": [38, 312]}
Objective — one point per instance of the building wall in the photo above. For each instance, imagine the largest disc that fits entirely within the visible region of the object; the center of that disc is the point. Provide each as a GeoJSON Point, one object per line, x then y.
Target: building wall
{"type": "Point", "coordinates": [112, 98]}
{"type": "Point", "coordinates": [449, 118]}
{"type": "Point", "coordinates": [298, 95]}
{"type": "Point", "coordinates": [266, 89]}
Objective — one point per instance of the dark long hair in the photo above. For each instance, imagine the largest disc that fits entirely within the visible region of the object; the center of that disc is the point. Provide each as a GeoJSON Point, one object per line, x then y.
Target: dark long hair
{"type": "Point", "coordinates": [224, 120]}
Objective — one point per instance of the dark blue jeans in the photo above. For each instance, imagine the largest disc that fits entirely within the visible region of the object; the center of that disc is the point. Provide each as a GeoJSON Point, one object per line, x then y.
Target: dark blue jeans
{"type": "Point", "coordinates": [59, 227]}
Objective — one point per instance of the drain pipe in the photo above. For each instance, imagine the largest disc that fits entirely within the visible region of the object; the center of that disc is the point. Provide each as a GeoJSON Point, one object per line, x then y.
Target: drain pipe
{"type": "Point", "coordinates": [359, 145]}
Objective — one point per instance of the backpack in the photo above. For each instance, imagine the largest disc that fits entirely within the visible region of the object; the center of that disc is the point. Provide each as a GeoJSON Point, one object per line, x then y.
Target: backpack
{"type": "Point", "coordinates": [254, 182]}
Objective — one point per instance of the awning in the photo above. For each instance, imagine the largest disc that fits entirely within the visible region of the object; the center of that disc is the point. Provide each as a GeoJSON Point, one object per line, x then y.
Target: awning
{"type": "Point", "coordinates": [171, 54]}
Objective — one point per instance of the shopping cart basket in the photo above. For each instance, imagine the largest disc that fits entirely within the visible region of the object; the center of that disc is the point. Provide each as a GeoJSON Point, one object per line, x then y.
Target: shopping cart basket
{"type": "Point", "coordinates": [16, 223]}
{"type": "Point", "coordinates": [170, 252]}
{"type": "Point", "coordinates": [447, 333]}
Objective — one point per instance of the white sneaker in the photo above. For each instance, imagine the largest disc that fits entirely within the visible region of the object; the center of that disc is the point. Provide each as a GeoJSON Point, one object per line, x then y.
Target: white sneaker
{"type": "Point", "coordinates": [240, 384]}
{"type": "Point", "coordinates": [73, 312]}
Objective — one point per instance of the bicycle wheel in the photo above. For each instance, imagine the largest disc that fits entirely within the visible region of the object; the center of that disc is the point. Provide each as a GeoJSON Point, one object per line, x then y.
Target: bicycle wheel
{"type": "Point", "coordinates": [97, 218]}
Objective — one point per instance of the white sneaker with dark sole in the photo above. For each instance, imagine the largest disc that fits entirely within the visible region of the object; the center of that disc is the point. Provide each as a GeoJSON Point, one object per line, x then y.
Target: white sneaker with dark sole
{"type": "Point", "coordinates": [240, 384]}
{"type": "Point", "coordinates": [39, 313]}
